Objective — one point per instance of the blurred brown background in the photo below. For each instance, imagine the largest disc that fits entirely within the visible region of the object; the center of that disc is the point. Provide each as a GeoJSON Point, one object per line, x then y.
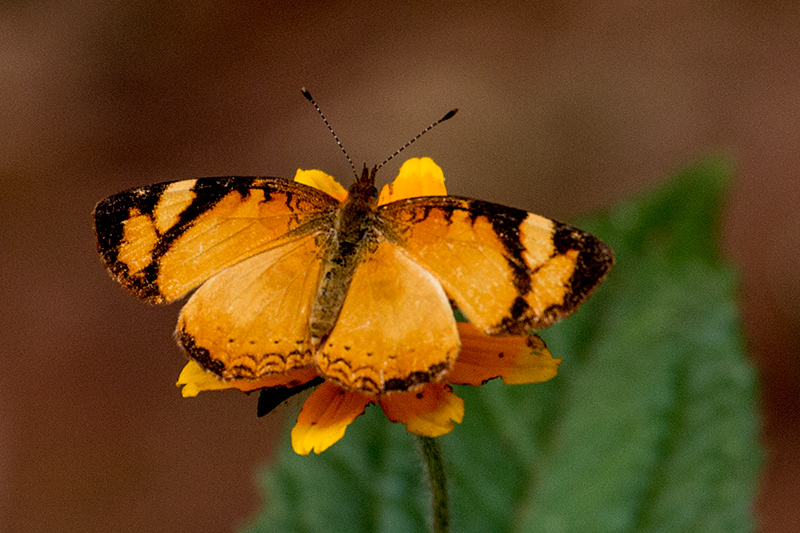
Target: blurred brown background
{"type": "Point", "coordinates": [565, 107]}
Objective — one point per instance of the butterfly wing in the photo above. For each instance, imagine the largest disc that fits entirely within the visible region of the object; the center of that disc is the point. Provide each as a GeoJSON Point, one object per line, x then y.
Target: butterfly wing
{"type": "Point", "coordinates": [251, 319]}
{"type": "Point", "coordinates": [507, 270]}
{"type": "Point", "coordinates": [162, 240]}
{"type": "Point", "coordinates": [396, 329]}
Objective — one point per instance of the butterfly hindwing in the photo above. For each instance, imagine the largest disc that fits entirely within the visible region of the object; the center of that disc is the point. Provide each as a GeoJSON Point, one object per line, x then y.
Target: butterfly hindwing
{"type": "Point", "coordinates": [395, 330]}
{"type": "Point", "coordinates": [508, 270]}
{"type": "Point", "coordinates": [251, 319]}
{"type": "Point", "coordinates": [162, 240]}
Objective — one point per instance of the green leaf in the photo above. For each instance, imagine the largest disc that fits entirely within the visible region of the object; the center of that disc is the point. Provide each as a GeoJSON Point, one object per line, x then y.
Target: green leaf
{"type": "Point", "coordinates": [369, 481]}
{"type": "Point", "coordinates": [650, 425]}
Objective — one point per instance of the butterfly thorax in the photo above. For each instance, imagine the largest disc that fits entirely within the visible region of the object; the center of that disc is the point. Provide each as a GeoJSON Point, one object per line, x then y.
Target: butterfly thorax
{"type": "Point", "coordinates": [352, 236]}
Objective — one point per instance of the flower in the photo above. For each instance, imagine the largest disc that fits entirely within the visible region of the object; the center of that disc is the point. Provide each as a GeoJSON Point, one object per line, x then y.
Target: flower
{"type": "Point", "coordinates": [428, 410]}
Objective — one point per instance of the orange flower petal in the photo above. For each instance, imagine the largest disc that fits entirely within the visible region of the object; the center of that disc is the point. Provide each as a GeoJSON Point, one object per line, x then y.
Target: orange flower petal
{"type": "Point", "coordinates": [325, 416]}
{"type": "Point", "coordinates": [429, 412]}
{"type": "Point", "coordinates": [195, 379]}
{"type": "Point", "coordinates": [320, 180]}
{"type": "Point", "coordinates": [417, 177]}
{"type": "Point", "coordinates": [516, 359]}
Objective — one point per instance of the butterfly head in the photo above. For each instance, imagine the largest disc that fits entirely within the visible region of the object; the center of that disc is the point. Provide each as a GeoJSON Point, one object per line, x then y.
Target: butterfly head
{"type": "Point", "coordinates": [363, 189]}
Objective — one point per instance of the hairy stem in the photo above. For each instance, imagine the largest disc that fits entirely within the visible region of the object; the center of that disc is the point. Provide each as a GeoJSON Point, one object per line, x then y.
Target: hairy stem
{"type": "Point", "coordinates": [435, 464]}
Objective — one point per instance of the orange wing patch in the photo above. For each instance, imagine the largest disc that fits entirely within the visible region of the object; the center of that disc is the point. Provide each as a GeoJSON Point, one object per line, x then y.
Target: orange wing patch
{"type": "Point", "coordinates": [395, 331]}
{"type": "Point", "coordinates": [162, 240]}
{"type": "Point", "coordinates": [508, 270]}
{"type": "Point", "coordinates": [251, 319]}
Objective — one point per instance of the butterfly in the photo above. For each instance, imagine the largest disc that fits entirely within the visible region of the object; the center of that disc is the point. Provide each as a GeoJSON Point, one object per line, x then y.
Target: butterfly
{"type": "Point", "coordinates": [289, 276]}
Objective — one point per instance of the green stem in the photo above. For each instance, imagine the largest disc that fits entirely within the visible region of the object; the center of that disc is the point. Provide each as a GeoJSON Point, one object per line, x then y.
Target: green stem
{"type": "Point", "coordinates": [435, 464]}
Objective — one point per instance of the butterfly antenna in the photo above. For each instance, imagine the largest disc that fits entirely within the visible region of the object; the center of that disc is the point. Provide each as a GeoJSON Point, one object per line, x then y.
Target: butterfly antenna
{"type": "Point", "coordinates": [325, 120]}
{"type": "Point", "coordinates": [448, 116]}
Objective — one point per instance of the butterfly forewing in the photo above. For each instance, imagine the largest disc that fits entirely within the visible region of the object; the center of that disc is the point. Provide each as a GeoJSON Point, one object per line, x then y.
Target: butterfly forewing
{"type": "Point", "coordinates": [162, 240]}
{"type": "Point", "coordinates": [508, 270]}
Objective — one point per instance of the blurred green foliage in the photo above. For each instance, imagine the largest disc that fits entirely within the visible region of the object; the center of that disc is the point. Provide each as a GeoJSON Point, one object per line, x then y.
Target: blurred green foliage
{"type": "Point", "coordinates": [651, 424]}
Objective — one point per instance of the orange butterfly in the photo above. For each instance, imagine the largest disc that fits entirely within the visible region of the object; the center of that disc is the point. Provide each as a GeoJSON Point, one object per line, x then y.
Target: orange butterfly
{"type": "Point", "coordinates": [291, 277]}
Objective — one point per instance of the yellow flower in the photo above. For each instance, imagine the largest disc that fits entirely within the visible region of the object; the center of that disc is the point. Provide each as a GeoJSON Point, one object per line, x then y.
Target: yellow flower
{"type": "Point", "coordinates": [428, 410]}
